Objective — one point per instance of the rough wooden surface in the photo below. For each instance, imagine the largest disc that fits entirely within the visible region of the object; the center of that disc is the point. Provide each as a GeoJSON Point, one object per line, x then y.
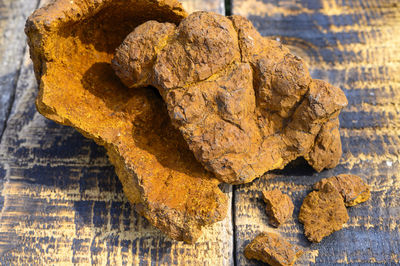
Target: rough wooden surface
{"type": "Point", "coordinates": [206, 5]}
{"type": "Point", "coordinates": [13, 14]}
{"type": "Point", "coordinates": [62, 203]}
{"type": "Point", "coordinates": [354, 45]}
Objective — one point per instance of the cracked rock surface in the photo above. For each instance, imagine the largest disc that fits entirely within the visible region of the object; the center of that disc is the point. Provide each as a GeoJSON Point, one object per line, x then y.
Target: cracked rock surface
{"type": "Point", "coordinates": [279, 207]}
{"type": "Point", "coordinates": [272, 249]}
{"type": "Point", "coordinates": [72, 44]}
{"type": "Point", "coordinates": [323, 212]}
{"type": "Point", "coordinates": [243, 103]}
{"type": "Point", "coordinates": [352, 188]}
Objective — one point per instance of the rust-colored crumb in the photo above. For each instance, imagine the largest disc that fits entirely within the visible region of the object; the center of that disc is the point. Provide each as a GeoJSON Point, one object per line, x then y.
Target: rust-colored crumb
{"type": "Point", "coordinates": [322, 213]}
{"type": "Point", "coordinates": [72, 44]}
{"type": "Point", "coordinates": [279, 207]}
{"type": "Point", "coordinates": [272, 249]}
{"type": "Point", "coordinates": [352, 188]}
{"type": "Point", "coordinates": [243, 103]}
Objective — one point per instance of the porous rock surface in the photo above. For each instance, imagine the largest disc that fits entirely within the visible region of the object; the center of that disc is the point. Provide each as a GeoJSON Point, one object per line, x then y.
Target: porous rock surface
{"type": "Point", "coordinates": [352, 188]}
{"type": "Point", "coordinates": [279, 207]}
{"type": "Point", "coordinates": [243, 103]}
{"type": "Point", "coordinates": [323, 212]}
{"type": "Point", "coordinates": [272, 249]}
{"type": "Point", "coordinates": [72, 44]}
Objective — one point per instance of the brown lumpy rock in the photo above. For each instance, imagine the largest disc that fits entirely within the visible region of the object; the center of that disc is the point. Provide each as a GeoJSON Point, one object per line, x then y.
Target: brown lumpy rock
{"type": "Point", "coordinates": [138, 57]}
{"type": "Point", "coordinates": [243, 103]}
{"type": "Point", "coordinates": [352, 188]}
{"type": "Point", "coordinates": [327, 149]}
{"type": "Point", "coordinates": [272, 249]}
{"type": "Point", "coordinates": [72, 44]}
{"type": "Point", "coordinates": [204, 44]}
{"type": "Point", "coordinates": [279, 207]}
{"type": "Point", "coordinates": [322, 213]}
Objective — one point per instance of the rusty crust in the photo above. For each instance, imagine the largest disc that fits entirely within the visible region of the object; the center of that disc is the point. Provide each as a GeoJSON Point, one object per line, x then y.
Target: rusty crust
{"type": "Point", "coordinates": [72, 44]}
{"type": "Point", "coordinates": [322, 213]}
{"type": "Point", "coordinates": [279, 207]}
{"type": "Point", "coordinates": [273, 250]}
{"type": "Point", "coordinates": [243, 103]}
{"type": "Point", "coordinates": [352, 188]}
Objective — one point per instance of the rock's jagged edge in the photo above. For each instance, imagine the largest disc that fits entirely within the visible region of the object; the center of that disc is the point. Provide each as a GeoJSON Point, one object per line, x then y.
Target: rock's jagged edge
{"type": "Point", "coordinates": [322, 213]}
{"type": "Point", "coordinates": [244, 104]}
{"type": "Point", "coordinates": [272, 249]}
{"type": "Point", "coordinates": [352, 188]}
{"type": "Point", "coordinates": [72, 44]}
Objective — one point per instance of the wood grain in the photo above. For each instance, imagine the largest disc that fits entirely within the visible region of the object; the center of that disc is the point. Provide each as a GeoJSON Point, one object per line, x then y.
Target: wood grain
{"type": "Point", "coordinates": [63, 204]}
{"type": "Point", "coordinates": [217, 6]}
{"type": "Point", "coordinates": [13, 14]}
{"type": "Point", "coordinates": [354, 45]}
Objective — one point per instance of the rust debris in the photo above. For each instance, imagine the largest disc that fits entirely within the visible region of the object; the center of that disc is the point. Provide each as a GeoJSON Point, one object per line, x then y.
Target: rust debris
{"type": "Point", "coordinates": [324, 211]}
{"type": "Point", "coordinates": [279, 207]}
{"type": "Point", "coordinates": [352, 188]}
{"type": "Point", "coordinates": [272, 249]}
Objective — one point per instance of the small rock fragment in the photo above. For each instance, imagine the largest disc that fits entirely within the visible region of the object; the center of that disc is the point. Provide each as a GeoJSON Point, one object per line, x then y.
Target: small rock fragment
{"type": "Point", "coordinates": [351, 187]}
{"type": "Point", "coordinates": [279, 207]}
{"type": "Point", "coordinates": [272, 249]}
{"type": "Point", "coordinates": [322, 213]}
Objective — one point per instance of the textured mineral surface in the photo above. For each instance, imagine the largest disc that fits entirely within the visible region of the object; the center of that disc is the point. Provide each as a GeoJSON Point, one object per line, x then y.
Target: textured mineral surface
{"type": "Point", "coordinates": [351, 187]}
{"type": "Point", "coordinates": [72, 44]}
{"type": "Point", "coordinates": [243, 103]}
{"type": "Point", "coordinates": [322, 213]}
{"type": "Point", "coordinates": [272, 249]}
{"type": "Point", "coordinates": [279, 207]}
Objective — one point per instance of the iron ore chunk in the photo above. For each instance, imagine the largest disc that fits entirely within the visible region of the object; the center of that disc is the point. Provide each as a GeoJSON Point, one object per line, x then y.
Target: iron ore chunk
{"type": "Point", "coordinates": [72, 44]}
{"type": "Point", "coordinates": [272, 249]}
{"type": "Point", "coordinates": [352, 188]}
{"type": "Point", "coordinates": [279, 207]}
{"type": "Point", "coordinates": [243, 103]}
{"type": "Point", "coordinates": [322, 213]}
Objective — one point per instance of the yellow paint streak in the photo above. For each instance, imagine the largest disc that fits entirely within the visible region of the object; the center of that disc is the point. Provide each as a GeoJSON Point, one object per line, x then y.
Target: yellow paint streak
{"type": "Point", "coordinates": [287, 8]}
{"type": "Point", "coordinates": [260, 8]}
{"type": "Point", "coordinates": [196, 5]}
{"type": "Point", "coordinates": [312, 254]}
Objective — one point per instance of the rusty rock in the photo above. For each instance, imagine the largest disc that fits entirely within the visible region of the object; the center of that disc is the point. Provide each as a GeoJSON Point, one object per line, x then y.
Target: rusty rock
{"type": "Point", "coordinates": [243, 103]}
{"type": "Point", "coordinates": [72, 44]}
{"type": "Point", "coordinates": [322, 213]}
{"type": "Point", "coordinates": [351, 187]}
{"type": "Point", "coordinates": [279, 207]}
{"type": "Point", "coordinates": [272, 249]}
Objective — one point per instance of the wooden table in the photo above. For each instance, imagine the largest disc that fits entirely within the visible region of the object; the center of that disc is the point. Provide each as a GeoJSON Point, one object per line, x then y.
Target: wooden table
{"type": "Point", "coordinates": [61, 202]}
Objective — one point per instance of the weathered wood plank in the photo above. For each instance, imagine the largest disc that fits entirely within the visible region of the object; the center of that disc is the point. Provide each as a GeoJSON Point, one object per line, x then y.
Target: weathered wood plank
{"type": "Point", "coordinates": [354, 45]}
{"type": "Point", "coordinates": [217, 6]}
{"type": "Point", "coordinates": [13, 14]}
{"type": "Point", "coordinates": [63, 203]}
